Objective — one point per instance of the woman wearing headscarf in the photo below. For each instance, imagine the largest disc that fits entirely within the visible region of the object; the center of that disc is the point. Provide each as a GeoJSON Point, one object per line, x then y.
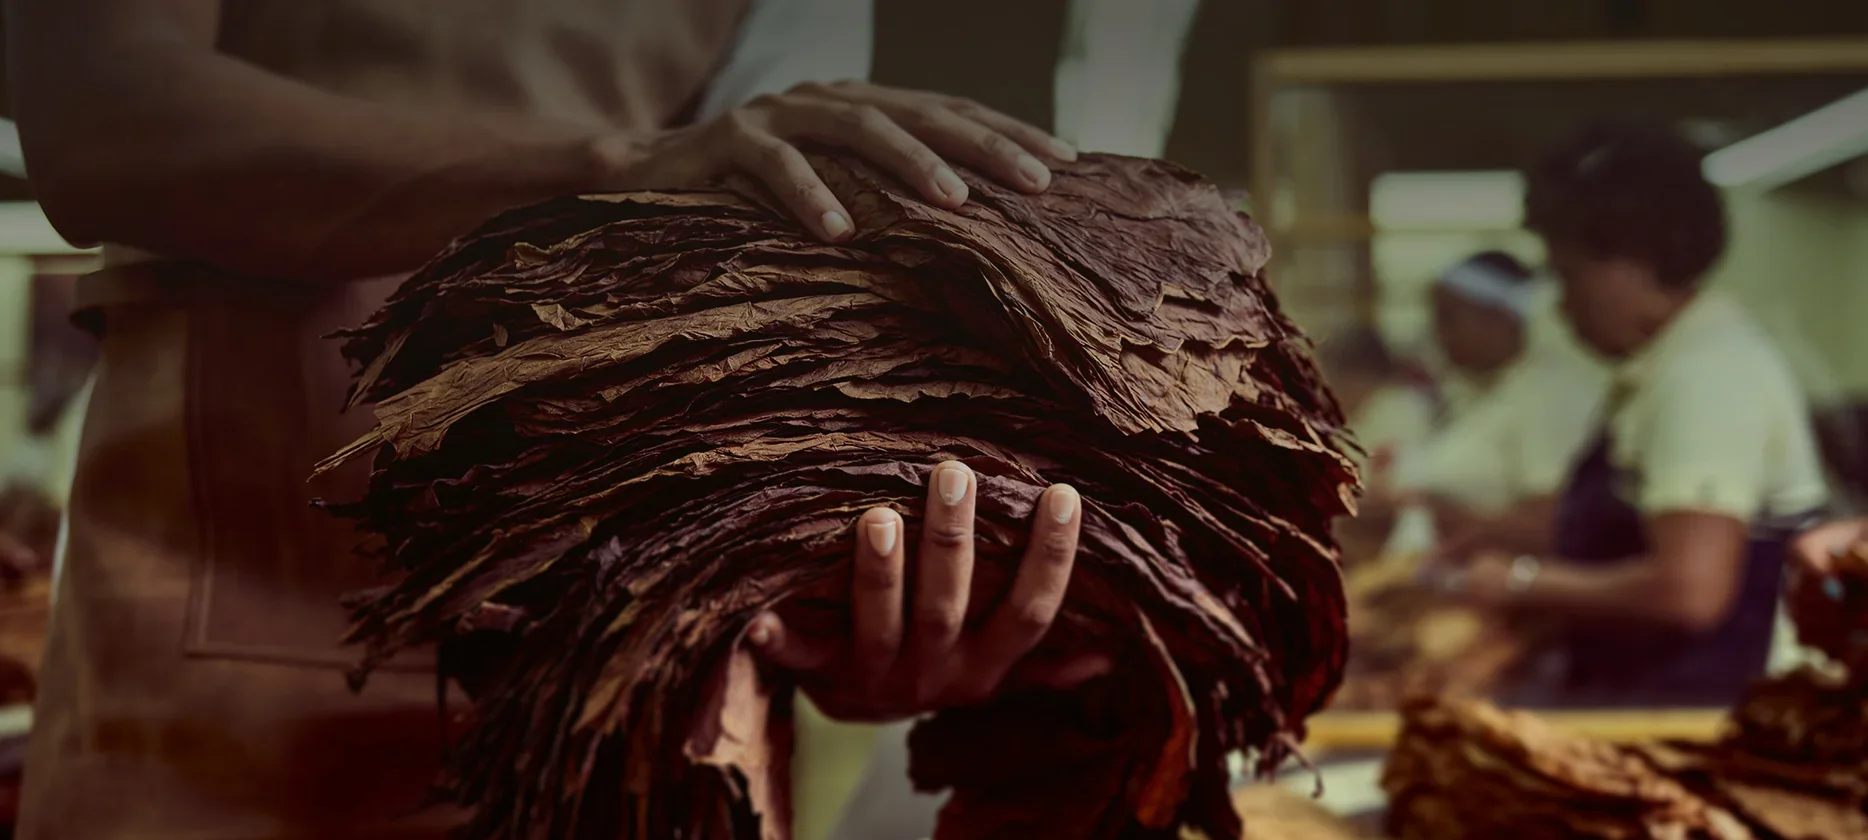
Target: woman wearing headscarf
{"type": "Point", "coordinates": [1529, 402]}
{"type": "Point", "coordinates": [1667, 554]}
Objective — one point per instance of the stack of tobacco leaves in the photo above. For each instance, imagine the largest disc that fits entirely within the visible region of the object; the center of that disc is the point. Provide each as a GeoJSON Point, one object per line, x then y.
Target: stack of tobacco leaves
{"type": "Point", "coordinates": [1795, 763]}
{"type": "Point", "coordinates": [1406, 641]}
{"type": "Point", "coordinates": [614, 429]}
{"type": "Point", "coordinates": [1465, 769]}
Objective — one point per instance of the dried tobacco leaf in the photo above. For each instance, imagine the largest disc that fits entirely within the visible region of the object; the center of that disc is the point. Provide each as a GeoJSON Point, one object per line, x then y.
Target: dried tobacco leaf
{"type": "Point", "coordinates": [1465, 769]}
{"type": "Point", "coordinates": [1794, 763]}
{"type": "Point", "coordinates": [1406, 641]}
{"type": "Point", "coordinates": [613, 429]}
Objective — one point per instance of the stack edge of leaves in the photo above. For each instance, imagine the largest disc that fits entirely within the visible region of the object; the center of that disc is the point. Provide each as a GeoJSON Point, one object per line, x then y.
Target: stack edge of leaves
{"type": "Point", "coordinates": [1792, 764]}
{"type": "Point", "coordinates": [613, 429]}
{"type": "Point", "coordinates": [1466, 769]}
{"type": "Point", "coordinates": [1404, 641]}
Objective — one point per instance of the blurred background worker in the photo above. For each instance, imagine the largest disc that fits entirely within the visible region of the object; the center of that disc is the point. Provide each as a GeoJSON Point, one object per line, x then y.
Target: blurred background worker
{"type": "Point", "coordinates": [1527, 404]}
{"type": "Point", "coordinates": [1667, 553]}
{"type": "Point", "coordinates": [1391, 403]}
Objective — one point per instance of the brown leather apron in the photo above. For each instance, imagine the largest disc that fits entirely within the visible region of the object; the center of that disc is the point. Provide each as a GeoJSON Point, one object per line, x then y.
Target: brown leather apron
{"type": "Point", "coordinates": [193, 685]}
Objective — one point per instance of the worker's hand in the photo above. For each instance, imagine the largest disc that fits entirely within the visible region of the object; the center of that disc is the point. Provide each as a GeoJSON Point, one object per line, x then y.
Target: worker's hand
{"type": "Point", "coordinates": [1816, 594]}
{"type": "Point", "coordinates": [909, 133]}
{"type": "Point", "coordinates": [903, 659]}
{"type": "Point", "coordinates": [1484, 581]}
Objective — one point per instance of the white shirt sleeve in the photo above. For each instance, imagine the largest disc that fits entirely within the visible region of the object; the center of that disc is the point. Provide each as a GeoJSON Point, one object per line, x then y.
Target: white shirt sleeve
{"type": "Point", "coordinates": [785, 43]}
{"type": "Point", "coordinates": [1118, 80]}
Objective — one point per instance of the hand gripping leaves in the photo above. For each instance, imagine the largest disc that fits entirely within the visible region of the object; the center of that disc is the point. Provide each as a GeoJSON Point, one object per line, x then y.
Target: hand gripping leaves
{"type": "Point", "coordinates": [612, 429]}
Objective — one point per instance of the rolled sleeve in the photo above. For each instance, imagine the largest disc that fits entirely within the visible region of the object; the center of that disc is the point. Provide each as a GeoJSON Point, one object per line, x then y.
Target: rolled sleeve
{"type": "Point", "coordinates": [785, 43]}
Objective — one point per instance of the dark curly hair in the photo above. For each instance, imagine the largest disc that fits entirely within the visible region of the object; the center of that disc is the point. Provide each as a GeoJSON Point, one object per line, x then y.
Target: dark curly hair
{"type": "Point", "coordinates": [1634, 192]}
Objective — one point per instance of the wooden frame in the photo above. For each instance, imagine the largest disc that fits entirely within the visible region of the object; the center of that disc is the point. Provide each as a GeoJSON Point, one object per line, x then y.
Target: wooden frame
{"type": "Point", "coordinates": [1581, 61]}
{"type": "Point", "coordinates": [1277, 70]}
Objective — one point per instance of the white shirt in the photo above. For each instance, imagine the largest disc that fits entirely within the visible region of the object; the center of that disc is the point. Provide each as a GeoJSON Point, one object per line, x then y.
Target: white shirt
{"type": "Point", "coordinates": [1710, 419]}
{"type": "Point", "coordinates": [1517, 438]}
{"type": "Point", "coordinates": [1396, 418]}
{"type": "Point", "coordinates": [785, 43]}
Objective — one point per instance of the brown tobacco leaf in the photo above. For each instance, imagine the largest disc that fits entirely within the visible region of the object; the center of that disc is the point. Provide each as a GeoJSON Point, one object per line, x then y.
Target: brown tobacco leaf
{"type": "Point", "coordinates": [613, 429]}
{"type": "Point", "coordinates": [1404, 642]}
{"type": "Point", "coordinates": [1794, 763]}
{"type": "Point", "coordinates": [1465, 769]}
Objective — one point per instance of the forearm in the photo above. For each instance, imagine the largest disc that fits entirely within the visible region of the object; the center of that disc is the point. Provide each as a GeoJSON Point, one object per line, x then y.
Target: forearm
{"type": "Point", "coordinates": [264, 175]}
{"type": "Point", "coordinates": [1524, 529]}
{"type": "Point", "coordinates": [1629, 591]}
{"type": "Point", "coordinates": [1640, 593]}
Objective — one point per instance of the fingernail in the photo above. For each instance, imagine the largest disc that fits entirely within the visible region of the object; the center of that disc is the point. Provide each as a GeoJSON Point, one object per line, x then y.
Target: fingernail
{"type": "Point", "coordinates": [882, 536]}
{"type": "Point", "coordinates": [950, 185]}
{"type": "Point", "coordinates": [1063, 150]}
{"type": "Point", "coordinates": [761, 632]}
{"type": "Point", "coordinates": [1034, 171]}
{"type": "Point", "coordinates": [1064, 503]}
{"type": "Point", "coordinates": [836, 225]}
{"type": "Point", "coordinates": [951, 483]}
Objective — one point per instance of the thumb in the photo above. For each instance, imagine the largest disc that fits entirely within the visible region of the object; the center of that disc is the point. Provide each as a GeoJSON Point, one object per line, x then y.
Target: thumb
{"type": "Point", "coordinates": [775, 643]}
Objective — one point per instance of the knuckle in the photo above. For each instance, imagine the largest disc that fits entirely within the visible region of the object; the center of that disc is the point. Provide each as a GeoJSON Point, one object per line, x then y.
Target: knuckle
{"type": "Point", "coordinates": [878, 577]}
{"type": "Point", "coordinates": [807, 191]}
{"type": "Point", "coordinates": [811, 89]}
{"type": "Point", "coordinates": [1035, 614]}
{"type": "Point", "coordinates": [919, 119]}
{"type": "Point", "coordinates": [954, 534]}
{"type": "Point", "coordinates": [964, 106]}
{"type": "Point", "coordinates": [1058, 546]}
{"type": "Point", "coordinates": [738, 123]}
{"type": "Point", "coordinates": [937, 624]}
{"type": "Point", "coordinates": [925, 161]}
{"type": "Point", "coordinates": [763, 102]}
{"type": "Point", "coordinates": [772, 154]}
{"type": "Point", "coordinates": [869, 118]}
{"type": "Point", "coordinates": [998, 145]}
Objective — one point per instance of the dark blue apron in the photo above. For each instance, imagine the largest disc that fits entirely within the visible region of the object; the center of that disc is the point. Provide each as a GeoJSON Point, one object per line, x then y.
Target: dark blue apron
{"type": "Point", "coordinates": [1618, 666]}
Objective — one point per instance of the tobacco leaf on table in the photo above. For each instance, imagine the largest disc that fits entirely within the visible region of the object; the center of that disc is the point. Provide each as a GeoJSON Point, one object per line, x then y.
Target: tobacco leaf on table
{"type": "Point", "coordinates": [1793, 762]}
{"type": "Point", "coordinates": [1464, 768]}
{"type": "Point", "coordinates": [611, 430]}
{"type": "Point", "coordinates": [1405, 642]}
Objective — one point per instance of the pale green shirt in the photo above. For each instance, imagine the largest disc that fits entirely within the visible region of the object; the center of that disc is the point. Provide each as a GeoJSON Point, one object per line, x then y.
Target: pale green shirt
{"type": "Point", "coordinates": [1709, 418]}
{"type": "Point", "coordinates": [1516, 438]}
